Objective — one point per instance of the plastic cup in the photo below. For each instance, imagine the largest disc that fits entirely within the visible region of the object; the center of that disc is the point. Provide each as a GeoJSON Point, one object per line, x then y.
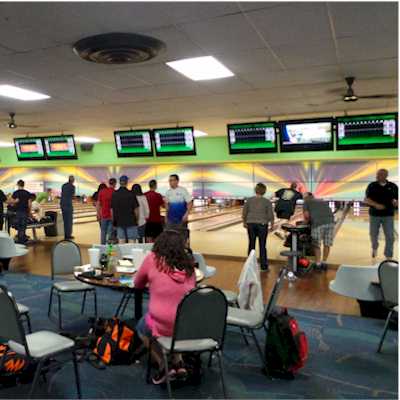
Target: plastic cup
{"type": "Point", "coordinates": [94, 257]}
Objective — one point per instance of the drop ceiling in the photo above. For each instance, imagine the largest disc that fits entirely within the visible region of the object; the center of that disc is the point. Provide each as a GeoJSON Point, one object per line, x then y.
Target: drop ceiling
{"type": "Point", "coordinates": [288, 59]}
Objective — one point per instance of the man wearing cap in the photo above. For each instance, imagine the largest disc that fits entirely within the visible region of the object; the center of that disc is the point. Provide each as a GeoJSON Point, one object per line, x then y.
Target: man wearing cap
{"type": "Point", "coordinates": [125, 212]}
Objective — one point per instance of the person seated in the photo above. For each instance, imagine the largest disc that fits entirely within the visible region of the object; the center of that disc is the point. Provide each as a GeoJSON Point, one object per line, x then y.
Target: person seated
{"type": "Point", "coordinates": [168, 271]}
{"type": "Point", "coordinates": [36, 209]}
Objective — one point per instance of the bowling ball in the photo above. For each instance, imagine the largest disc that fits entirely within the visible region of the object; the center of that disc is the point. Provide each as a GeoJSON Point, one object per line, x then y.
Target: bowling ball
{"type": "Point", "coordinates": [303, 262]}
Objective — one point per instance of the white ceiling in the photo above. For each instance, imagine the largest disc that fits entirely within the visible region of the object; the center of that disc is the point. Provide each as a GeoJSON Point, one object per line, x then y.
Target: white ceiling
{"type": "Point", "coordinates": [288, 59]}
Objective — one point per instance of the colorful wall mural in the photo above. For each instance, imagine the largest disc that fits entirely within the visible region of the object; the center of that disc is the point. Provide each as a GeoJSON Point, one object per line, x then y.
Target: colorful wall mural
{"type": "Point", "coordinates": [329, 180]}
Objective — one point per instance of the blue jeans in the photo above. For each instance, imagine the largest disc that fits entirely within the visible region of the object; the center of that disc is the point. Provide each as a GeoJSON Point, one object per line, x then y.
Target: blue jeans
{"type": "Point", "coordinates": [388, 229]}
{"type": "Point", "coordinates": [21, 220]}
{"type": "Point", "coordinates": [105, 230]}
{"type": "Point", "coordinates": [259, 231]}
{"type": "Point", "coordinates": [141, 232]}
{"type": "Point", "coordinates": [67, 214]}
{"type": "Point", "coordinates": [127, 233]}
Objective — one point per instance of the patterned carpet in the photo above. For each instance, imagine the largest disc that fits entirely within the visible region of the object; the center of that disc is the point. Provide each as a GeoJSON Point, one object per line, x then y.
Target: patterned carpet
{"type": "Point", "coordinates": [343, 362]}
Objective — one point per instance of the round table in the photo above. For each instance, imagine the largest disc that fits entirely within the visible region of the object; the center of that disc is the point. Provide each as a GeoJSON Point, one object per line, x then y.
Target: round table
{"type": "Point", "coordinates": [128, 290]}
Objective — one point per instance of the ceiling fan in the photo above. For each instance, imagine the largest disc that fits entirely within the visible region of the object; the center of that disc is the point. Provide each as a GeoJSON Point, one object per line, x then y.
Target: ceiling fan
{"type": "Point", "coordinates": [351, 96]}
{"type": "Point", "coordinates": [11, 124]}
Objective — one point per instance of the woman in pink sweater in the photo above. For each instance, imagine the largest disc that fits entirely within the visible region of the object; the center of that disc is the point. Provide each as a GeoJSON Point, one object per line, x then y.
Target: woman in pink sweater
{"type": "Point", "coordinates": [168, 271]}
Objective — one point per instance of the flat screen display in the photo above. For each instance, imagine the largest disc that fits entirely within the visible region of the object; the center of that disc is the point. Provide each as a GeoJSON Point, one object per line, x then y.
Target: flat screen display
{"type": "Point", "coordinates": [133, 143]}
{"type": "Point", "coordinates": [366, 131]}
{"type": "Point", "coordinates": [255, 137]}
{"type": "Point", "coordinates": [60, 147]}
{"type": "Point", "coordinates": [29, 148]}
{"type": "Point", "coordinates": [174, 141]}
{"type": "Point", "coordinates": [307, 135]}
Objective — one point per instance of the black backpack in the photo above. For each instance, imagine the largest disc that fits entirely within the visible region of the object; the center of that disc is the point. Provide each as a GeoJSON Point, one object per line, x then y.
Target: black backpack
{"type": "Point", "coordinates": [286, 347]}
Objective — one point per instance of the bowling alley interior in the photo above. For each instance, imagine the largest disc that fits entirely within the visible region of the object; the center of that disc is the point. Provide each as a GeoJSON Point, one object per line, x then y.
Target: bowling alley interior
{"type": "Point", "coordinates": [199, 200]}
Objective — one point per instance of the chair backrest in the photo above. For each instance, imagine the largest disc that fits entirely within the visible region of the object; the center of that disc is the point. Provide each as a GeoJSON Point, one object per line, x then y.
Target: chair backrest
{"type": "Point", "coordinates": [201, 315]}
{"type": "Point", "coordinates": [65, 256]}
{"type": "Point", "coordinates": [7, 247]}
{"type": "Point", "coordinates": [273, 297]}
{"type": "Point", "coordinates": [11, 327]}
{"type": "Point", "coordinates": [388, 272]}
{"type": "Point", "coordinates": [199, 259]}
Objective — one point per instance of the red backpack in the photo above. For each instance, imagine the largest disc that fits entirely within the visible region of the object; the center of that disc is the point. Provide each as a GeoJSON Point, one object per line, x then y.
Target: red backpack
{"type": "Point", "coordinates": [286, 347]}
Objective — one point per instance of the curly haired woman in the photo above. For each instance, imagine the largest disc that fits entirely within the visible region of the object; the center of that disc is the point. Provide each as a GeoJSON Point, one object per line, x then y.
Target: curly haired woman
{"type": "Point", "coordinates": [168, 271]}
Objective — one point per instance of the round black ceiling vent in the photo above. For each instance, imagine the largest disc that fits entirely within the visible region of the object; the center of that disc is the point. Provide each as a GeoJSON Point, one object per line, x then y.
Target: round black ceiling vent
{"type": "Point", "coordinates": [118, 48]}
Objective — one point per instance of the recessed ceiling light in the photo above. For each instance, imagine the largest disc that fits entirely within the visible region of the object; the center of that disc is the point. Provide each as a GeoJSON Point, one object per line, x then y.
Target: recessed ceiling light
{"type": "Point", "coordinates": [198, 133]}
{"type": "Point", "coordinates": [201, 68]}
{"type": "Point", "coordinates": [6, 144]}
{"type": "Point", "coordinates": [21, 94]}
{"type": "Point", "coordinates": [86, 139]}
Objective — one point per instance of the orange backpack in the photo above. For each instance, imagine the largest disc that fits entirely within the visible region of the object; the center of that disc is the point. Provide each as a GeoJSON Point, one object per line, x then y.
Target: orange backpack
{"type": "Point", "coordinates": [118, 344]}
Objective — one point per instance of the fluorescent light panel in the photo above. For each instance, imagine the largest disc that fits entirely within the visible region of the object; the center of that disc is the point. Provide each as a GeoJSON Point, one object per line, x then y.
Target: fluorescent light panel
{"type": "Point", "coordinates": [6, 144]}
{"type": "Point", "coordinates": [86, 139]}
{"type": "Point", "coordinates": [198, 133]}
{"type": "Point", "coordinates": [15, 92]}
{"type": "Point", "coordinates": [201, 68]}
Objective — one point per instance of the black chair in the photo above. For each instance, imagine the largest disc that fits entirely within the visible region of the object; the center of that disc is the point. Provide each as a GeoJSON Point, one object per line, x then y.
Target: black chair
{"type": "Point", "coordinates": [39, 346]}
{"type": "Point", "coordinates": [388, 272]}
{"type": "Point", "coordinates": [200, 326]}
{"type": "Point", "coordinates": [64, 257]}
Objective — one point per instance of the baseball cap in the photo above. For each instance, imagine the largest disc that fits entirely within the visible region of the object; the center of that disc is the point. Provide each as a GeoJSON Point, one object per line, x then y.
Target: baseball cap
{"type": "Point", "coordinates": [123, 179]}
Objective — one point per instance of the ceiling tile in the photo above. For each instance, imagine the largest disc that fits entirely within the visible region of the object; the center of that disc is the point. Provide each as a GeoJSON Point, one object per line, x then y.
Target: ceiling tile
{"type": "Point", "coordinates": [364, 18]}
{"type": "Point", "coordinates": [292, 23]}
{"type": "Point", "coordinates": [223, 34]}
{"type": "Point", "coordinates": [371, 69]}
{"type": "Point", "coordinates": [309, 54]}
{"type": "Point", "coordinates": [184, 12]}
{"type": "Point", "coordinates": [364, 48]}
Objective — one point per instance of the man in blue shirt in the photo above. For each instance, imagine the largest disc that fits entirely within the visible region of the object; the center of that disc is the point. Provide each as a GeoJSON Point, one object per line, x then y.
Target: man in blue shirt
{"type": "Point", "coordinates": [178, 203]}
{"type": "Point", "coordinates": [67, 194]}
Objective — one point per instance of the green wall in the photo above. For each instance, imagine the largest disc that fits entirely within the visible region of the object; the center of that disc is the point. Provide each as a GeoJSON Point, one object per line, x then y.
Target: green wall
{"type": "Point", "coordinates": [209, 150]}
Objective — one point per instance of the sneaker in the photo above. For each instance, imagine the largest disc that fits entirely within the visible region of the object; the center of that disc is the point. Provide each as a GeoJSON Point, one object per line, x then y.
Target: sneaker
{"type": "Point", "coordinates": [324, 266]}
{"type": "Point", "coordinates": [317, 267]}
{"type": "Point", "coordinates": [161, 377]}
{"type": "Point", "coordinates": [374, 253]}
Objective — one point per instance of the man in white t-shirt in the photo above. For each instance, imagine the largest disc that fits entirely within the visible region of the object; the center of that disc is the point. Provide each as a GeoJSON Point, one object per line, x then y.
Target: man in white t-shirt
{"type": "Point", "coordinates": [178, 203]}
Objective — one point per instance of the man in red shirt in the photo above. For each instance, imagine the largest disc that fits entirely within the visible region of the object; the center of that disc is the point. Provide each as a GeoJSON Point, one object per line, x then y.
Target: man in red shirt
{"type": "Point", "coordinates": [103, 206]}
{"type": "Point", "coordinates": [155, 222]}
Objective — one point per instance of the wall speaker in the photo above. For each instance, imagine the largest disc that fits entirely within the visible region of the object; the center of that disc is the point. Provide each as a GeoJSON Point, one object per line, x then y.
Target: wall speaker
{"type": "Point", "coordinates": [87, 146]}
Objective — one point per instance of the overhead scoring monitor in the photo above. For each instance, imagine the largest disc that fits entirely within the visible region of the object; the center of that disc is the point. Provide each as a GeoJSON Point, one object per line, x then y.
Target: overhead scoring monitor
{"type": "Point", "coordinates": [367, 131]}
{"type": "Point", "coordinates": [174, 141]}
{"type": "Point", "coordinates": [307, 135]}
{"type": "Point", "coordinates": [60, 147]}
{"type": "Point", "coordinates": [133, 143]}
{"type": "Point", "coordinates": [255, 137]}
{"type": "Point", "coordinates": [29, 148]}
